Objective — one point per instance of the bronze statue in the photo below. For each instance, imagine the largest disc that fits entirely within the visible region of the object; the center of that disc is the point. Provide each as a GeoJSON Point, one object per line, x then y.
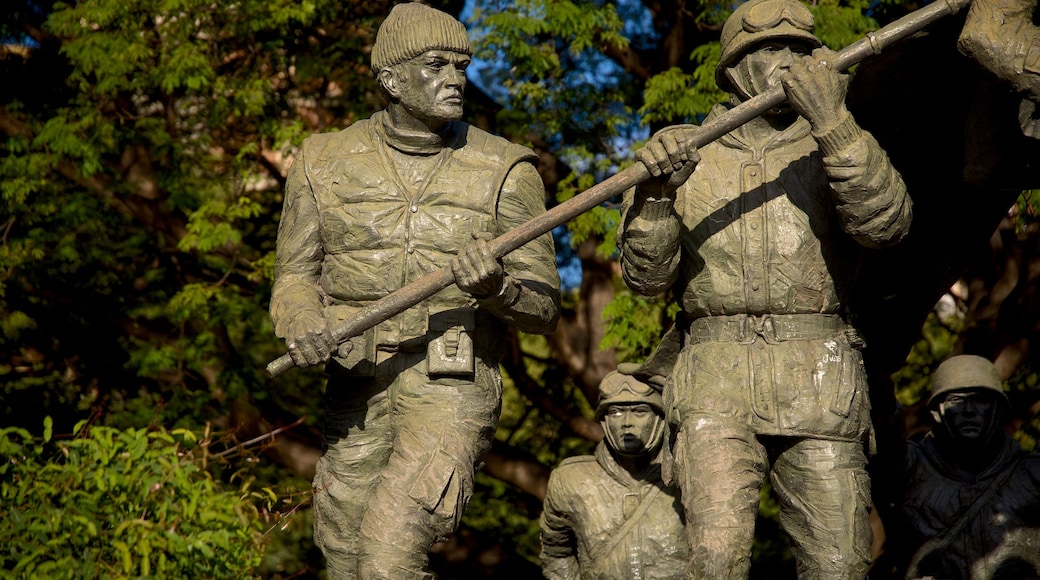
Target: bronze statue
{"type": "Point", "coordinates": [609, 515]}
{"type": "Point", "coordinates": [751, 234]}
{"type": "Point", "coordinates": [1003, 36]}
{"type": "Point", "coordinates": [972, 500]}
{"type": "Point", "coordinates": [412, 404]}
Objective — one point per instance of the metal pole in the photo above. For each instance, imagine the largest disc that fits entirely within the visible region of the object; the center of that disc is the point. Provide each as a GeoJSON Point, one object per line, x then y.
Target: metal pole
{"type": "Point", "coordinates": [410, 295]}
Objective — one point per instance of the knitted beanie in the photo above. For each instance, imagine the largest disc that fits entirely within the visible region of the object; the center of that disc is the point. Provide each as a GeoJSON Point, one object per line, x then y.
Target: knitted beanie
{"type": "Point", "coordinates": [412, 29]}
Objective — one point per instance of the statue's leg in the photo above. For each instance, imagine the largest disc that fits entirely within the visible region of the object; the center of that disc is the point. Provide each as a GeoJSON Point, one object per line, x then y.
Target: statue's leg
{"type": "Point", "coordinates": [441, 429]}
{"type": "Point", "coordinates": [824, 495]}
{"type": "Point", "coordinates": [720, 465]}
{"type": "Point", "coordinates": [356, 449]}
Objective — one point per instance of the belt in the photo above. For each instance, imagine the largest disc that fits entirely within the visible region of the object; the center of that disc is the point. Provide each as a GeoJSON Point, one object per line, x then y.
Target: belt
{"type": "Point", "coordinates": [746, 329]}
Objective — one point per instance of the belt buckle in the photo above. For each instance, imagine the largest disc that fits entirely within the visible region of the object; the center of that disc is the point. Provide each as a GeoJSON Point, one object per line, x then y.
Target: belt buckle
{"type": "Point", "coordinates": [761, 326]}
{"type": "Point", "coordinates": [748, 330]}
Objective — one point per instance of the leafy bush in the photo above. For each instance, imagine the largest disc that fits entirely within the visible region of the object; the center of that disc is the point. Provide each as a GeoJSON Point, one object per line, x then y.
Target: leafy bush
{"type": "Point", "coordinates": [111, 503]}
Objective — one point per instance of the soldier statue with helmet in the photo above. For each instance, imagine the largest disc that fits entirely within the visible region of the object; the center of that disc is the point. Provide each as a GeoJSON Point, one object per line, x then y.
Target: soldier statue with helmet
{"type": "Point", "coordinates": [752, 235]}
{"type": "Point", "coordinates": [609, 515]}
{"type": "Point", "coordinates": [971, 505]}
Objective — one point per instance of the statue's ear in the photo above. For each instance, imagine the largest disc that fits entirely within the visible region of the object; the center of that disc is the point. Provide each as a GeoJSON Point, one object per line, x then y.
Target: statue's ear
{"type": "Point", "coordinates": [936, 415]}
{"type": "Point", "coordinates": [390, 83]}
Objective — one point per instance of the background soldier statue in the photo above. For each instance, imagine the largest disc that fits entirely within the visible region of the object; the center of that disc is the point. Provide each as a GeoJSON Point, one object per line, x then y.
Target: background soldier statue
{"type": "Point", "coordinates": [610, 515]}
{"type": "Point", "coordinates": [972, 501]}
{"type": "Point", "coordinates": [412, 404]}
{"type": "Point", "coordinates": [753, 241]}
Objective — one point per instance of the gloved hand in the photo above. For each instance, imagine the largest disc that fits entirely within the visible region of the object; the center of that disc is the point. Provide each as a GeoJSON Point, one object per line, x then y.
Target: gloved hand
{"type": "Point", "coordinates": [671, 156]}
{"type": "Point", "coordinates": [816, 91]}
{"type": "Point", "coordinates": [476, 269]}
{"type": "Point", "coordinates": [310, 341]}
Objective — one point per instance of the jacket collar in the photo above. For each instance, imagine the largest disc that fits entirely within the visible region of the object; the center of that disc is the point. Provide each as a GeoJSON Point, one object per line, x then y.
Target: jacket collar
{"type": "Point", "coordinates": [605, 457]}
{"type": "Point", "coordinates": [744, 137]}
{"type": "Point", "coordinates": [414, 143]}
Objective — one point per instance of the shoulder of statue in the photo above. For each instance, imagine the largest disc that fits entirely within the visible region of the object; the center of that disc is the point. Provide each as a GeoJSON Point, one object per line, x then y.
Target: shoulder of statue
{"type": "Point", "coordinates": [479, 141]}
{"type": "Point", "coordinates": [355, 138]}
{"type": "Point", "coordinates": [920, 452]}
{"type": "Point", "coordinates": [576, 460]}
{"type": "Point", "coordinates": [573, 475]}
{"type": "Point", "coordinates": [571, 466]}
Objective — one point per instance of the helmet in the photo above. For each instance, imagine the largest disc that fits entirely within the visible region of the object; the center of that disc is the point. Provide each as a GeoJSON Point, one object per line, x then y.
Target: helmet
{"type": "Point", "coordinates": [621, 389]}
{"type": "Point", "coordinates": [965, 372]}
{"type": "Point", "coordinates": [756, 21]}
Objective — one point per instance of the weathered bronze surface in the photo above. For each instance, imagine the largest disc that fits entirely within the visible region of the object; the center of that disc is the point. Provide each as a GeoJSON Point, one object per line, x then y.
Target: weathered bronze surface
{"type": "Point", "coordinates": [972, 496]}
{"type": "Point", "coordinates": [1003, 36]}
{"type": "Point", "coordinates": [749, 235]}
{"type": "Point", "coordinates": [424, 287]}
{"type": "Point", "coordinates": [609, 515]}
{"type": "Point", "coordinates": [412, 404]}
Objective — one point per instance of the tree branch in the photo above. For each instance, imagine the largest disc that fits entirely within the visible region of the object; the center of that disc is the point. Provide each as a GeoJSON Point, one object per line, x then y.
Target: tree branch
{"type": "Point", "coordinates": [558, 409]}
{"type": "Point", "coordinates": [518, 468]}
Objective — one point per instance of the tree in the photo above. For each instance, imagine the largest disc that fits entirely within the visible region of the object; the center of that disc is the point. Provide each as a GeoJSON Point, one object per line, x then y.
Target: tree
{"type": "Point", "coordinates": [144, 153]}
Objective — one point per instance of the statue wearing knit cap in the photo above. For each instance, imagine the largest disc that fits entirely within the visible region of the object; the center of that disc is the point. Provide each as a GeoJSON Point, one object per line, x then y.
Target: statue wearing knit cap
{"type": "Point", "coordinates": [412, 404]}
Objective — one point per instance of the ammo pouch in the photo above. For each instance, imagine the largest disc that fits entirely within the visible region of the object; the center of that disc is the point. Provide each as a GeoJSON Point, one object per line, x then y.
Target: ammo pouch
{"type": "Point", "coordinates": [450, 348]}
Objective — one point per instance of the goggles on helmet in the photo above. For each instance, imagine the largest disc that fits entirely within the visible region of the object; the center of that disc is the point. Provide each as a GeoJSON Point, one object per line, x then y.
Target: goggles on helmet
{"type": "Point", "coordinates": [767, 15]}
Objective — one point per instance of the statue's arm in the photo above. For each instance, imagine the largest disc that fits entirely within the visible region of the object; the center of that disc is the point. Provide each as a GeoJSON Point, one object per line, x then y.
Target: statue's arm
{"type": "Point", "coordinates": [1003, 38]}
{"type": "Point", "coordinates": [559, 545]}
{"type": "Point", "coordinates": [648, 240]}
{"type": "Point", "coordinates": [869, 194]}
{"type": "Point", "coordinates": [530, 296]}
{"type": "Point", "coordinates": [298, 257]}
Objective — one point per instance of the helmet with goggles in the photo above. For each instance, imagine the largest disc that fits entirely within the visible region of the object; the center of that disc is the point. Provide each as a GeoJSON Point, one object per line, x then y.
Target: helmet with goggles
{"type": "Point", "coordinates": [622, 389]}
{"type": "Point", "coordinates": [757, 21]}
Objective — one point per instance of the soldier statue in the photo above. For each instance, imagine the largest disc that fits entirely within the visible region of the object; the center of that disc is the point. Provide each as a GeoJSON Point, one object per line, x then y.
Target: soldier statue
{"type": "Point", "coordinates": [752, 236]}
{"type": "Point", "coordinates": [411, 405]}
{"type": "Point", "coordinates": [972, 499]}
{"type": "Point", "coordinates": [609, 515]}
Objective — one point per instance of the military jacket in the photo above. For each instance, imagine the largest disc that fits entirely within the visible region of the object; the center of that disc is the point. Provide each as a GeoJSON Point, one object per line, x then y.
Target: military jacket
{"type": "Point", "coordinates": [1000, 538]}
{"type": "Point", "coordinates": [756, 249]}
{"type": "Point", "coordinates": [352, 231]}
{"type": "Point", "coordinates": [584, 526]}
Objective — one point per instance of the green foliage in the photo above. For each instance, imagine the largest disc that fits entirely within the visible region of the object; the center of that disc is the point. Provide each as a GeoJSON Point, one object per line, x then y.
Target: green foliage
{"type": "Point", "coordinates": [498, 511]}
{"type": "Point", "coordinates": [558, 75]}
{"type": "Point", "coordinates": [1026, 210]}
{"type": "Point", "coordinates": [634, 323]}
{"type": "Point", "coordinates": [675, 96]}
{"type": "Point", "coordinates": [601, 222]}
{"type": "Point", "coordinates": [938, 339]}
{"type": "Point", "coordinates": [111, 503]}
{"type": "Point", "coordinates": [840, 23]}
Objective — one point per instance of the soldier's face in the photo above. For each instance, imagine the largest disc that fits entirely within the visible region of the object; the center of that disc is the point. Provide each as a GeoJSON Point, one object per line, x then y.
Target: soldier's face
{"type": "Point", "coordinates": [431, 86]}
{"type": "Point", "coordinates": [969, 416]}
{"type": "Point", "coordinates": [760, 70]}
{"type": "Point", "coordinates": [631, 427]}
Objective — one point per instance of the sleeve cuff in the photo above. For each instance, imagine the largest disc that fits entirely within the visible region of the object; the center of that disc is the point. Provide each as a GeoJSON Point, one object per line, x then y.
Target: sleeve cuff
{"type": "Point", "coordinates": [507, 295]}
{"type": "Point", "coordinates": [841, 136]}
{"type": "Point", "coordinates": [653, 209]}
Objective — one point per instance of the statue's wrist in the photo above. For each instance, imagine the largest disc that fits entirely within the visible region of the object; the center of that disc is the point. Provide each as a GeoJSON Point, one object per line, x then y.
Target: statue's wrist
{"type": "Point", "coordinates": [656, 207]}
{"type": "Point", "coordinates": [839, 135]}
{"type": "Point", "coordinates": [507, 294]}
